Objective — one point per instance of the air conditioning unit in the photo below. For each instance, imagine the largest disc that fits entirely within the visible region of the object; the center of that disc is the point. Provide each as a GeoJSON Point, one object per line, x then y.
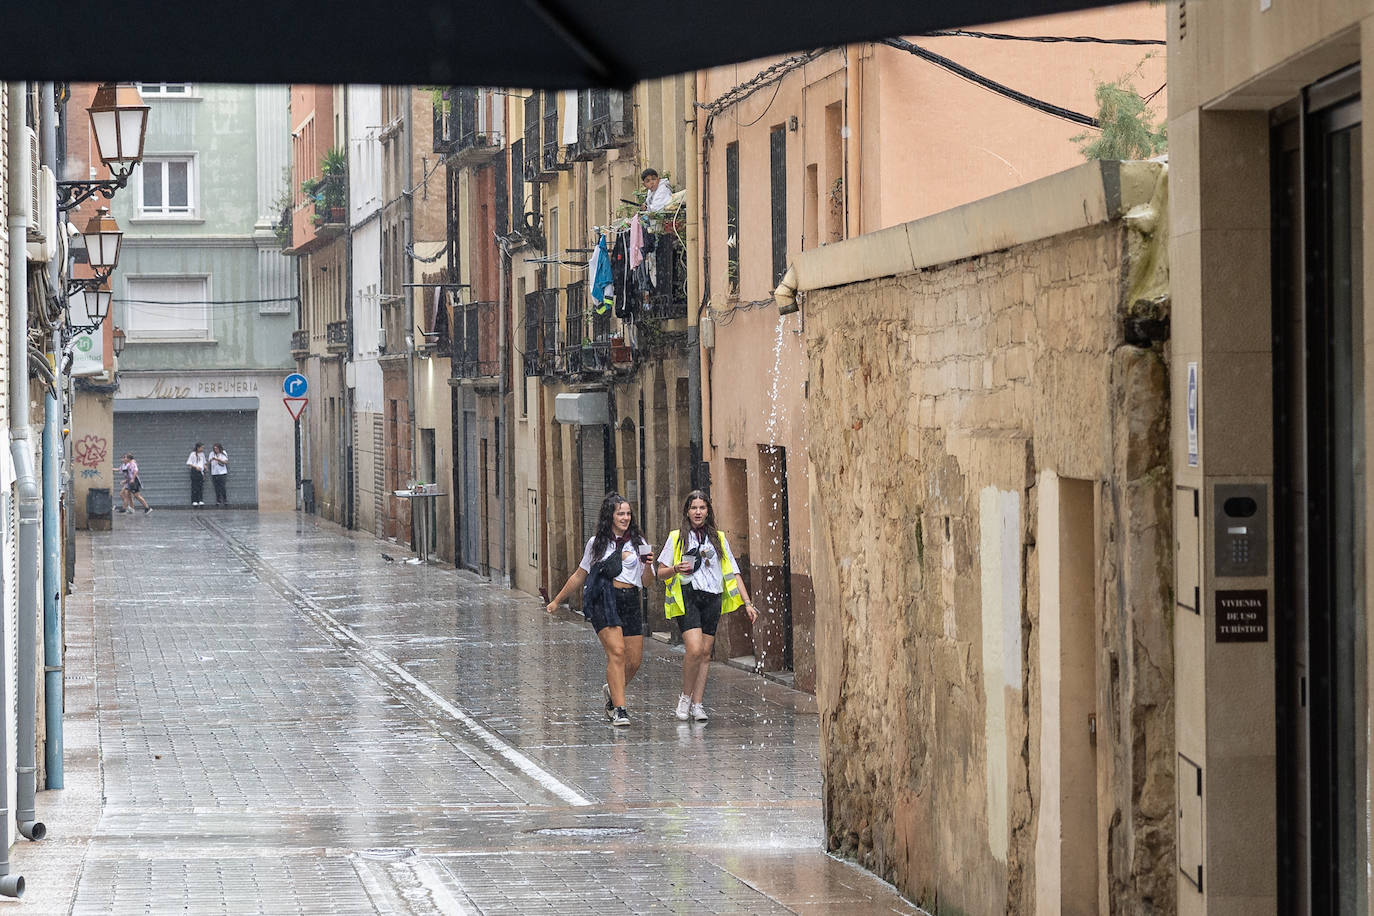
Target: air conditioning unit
{"type": "Point", "coordinates": [41, 241]}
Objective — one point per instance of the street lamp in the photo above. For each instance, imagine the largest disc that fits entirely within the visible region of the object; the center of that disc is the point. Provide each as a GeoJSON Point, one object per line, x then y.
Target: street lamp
{"type": "Point", "coordinates": [102, 237]}
{"type": "Point", "coordinates": [95, 297]}
{"type": "Point", "coordinates": [118, 338]}
{"type": "Point", "coordinates": [119, 121]}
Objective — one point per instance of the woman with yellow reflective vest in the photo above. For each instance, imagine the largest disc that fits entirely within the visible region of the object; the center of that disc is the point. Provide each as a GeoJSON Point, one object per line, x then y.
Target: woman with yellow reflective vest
{"type": "Point", "coordinates": [702, 582]}
{"type": "Point", "coordinates": [610, 575]}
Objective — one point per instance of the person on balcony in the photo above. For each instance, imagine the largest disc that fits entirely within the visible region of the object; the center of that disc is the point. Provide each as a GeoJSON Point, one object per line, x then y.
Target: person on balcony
{"type": "Point", "coordinates": [659, 192]}
{"type": "Point", "coordinates": [610, 575]}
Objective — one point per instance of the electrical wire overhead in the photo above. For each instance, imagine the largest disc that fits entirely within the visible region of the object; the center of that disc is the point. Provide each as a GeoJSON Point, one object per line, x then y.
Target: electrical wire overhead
{"type": "Point", "coordinates": [1078, 39]}
{"type": "Point", "coordinates": [992, 85]}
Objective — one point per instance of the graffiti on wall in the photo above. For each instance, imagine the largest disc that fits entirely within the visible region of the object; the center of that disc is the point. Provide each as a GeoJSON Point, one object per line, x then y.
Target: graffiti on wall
{"type": "Point", "coordinates": [91, 452]}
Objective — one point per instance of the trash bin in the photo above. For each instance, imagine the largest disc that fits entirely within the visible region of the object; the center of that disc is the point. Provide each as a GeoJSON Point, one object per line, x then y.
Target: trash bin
{"type": "Point", "coordinates": [308, 495]}
{"type": "Point", "coordinates": [98, 502]}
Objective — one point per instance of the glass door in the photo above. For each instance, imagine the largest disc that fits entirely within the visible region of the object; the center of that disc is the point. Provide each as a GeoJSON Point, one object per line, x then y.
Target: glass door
{"type": "Point", "coordinates": [1320, 470]}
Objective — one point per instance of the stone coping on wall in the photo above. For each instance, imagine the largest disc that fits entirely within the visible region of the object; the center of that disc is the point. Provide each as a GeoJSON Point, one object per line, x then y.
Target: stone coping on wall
{"type": "Point", "coordinates": [1085, 195]}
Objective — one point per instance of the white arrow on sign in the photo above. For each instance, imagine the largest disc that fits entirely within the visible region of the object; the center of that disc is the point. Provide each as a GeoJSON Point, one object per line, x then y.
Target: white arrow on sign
{"type": "Point", "coordinates": [296, 406]}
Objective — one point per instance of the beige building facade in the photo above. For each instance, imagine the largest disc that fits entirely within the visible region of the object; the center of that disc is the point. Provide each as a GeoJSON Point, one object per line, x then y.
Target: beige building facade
{"type": "Point", "coordinates": [601, 403]}
{"type": "Point", "coordinates": [1271, 437]}
{"type": "Point", "coordinates": [807, 151]}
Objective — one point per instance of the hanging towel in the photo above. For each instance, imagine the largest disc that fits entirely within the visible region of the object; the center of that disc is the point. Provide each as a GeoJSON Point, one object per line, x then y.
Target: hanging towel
{"type": "Point", "coordinates": [593, 269]}
{"type": "Point", "coordinates": [569, 118]}
{"type": "Point", "coordinates": [601, 274]}
{"type": "Point", "coordinates": [636, 242]}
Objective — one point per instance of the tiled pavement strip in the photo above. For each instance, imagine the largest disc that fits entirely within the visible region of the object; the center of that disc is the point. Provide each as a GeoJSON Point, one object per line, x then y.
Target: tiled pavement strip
{"type": "Point", "coordinates": [265, 717]}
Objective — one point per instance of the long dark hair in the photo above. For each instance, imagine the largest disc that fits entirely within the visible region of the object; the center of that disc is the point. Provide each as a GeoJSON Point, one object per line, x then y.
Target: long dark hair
{"type": "Point", "coordinates": [708, 527]}
{"type": "Point", "coordinates": [605, 525]}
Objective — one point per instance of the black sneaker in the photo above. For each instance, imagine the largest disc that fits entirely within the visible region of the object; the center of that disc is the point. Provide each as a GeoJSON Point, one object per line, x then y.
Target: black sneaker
{"type": "Point", "coordinates": [619, 716]}
{"type": "Point", "coordinates": [610, 707]}
{"type": "Point", "coordinates": [148, 510]}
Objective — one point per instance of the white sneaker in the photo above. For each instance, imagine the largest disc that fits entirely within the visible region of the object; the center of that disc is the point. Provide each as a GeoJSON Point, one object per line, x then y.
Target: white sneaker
{"type": "Point", "coordinates": [684, 704]}
{"type": "Point", "coordinates": [699, 712]}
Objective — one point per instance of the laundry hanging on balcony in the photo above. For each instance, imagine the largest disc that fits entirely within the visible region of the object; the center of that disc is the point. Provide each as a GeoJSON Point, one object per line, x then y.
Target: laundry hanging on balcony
{"type": "Point", "coordinates": [602, 290]}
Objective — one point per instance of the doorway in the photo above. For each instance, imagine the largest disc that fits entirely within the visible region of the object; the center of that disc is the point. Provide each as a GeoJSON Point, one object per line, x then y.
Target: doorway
{"type": "Point", "coordinates": [1320, 481]}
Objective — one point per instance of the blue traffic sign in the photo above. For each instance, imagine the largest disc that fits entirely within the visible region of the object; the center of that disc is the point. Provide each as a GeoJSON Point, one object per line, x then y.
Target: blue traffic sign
{"type": "Point", "coordinates": [295, 385]}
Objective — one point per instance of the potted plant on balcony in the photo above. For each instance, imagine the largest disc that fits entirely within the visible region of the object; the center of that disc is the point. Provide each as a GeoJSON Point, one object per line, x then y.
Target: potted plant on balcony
{"type": "Point", "coordinates": [334, 168]}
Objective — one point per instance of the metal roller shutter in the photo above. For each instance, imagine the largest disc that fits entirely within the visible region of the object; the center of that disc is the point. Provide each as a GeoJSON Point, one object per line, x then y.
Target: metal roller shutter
{"type": "Point", "coordinates": [161, 440]}
{"type": "Point", "coordinates": [591, 453]}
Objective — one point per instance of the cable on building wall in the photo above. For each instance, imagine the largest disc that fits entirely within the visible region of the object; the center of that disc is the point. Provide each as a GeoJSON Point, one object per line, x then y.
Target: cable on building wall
{"type": "Point", "coordinates": [992, 85]}
{"type": "Point", "coordinates": [765, 77]}
{"type": "Point", "coordinates": [1079, 39]}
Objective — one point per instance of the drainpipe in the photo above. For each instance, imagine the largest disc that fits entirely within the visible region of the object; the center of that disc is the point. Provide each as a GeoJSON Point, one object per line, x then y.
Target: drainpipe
{"type": "Point", "coordinates": [700, 291]}
{"type": "Point", "coordinates": [30, 560]}
{"type": "Point", "coordinates": [19, 207]}
{"type": "Point", "coordinates": [502, 260]}
{"type": "Point", "coordinates": [52, 517]}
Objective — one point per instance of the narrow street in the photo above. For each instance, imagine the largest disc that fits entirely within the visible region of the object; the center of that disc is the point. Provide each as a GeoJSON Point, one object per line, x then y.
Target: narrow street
{"type": "Point", "coordinates": [265, 716]}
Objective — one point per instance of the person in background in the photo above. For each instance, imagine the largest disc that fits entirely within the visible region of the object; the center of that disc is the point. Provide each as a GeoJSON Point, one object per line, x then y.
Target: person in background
{"type": "Point", "coordinates": [659, 192]}
{"type": "Point", "coordinates": [199, 467]}
{"type": "Point", "coordinates": [702, 582]}
{"type": "Point", "coordinates": [219, 474]}
{"type": "Point", "coordinates": [133, 487]}
{"type": "Point", "coordinates": [612, 570]}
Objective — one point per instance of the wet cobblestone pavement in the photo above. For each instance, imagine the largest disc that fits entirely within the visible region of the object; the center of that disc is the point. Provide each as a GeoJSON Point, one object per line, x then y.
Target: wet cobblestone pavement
{"type": "Point", "coordinates": [265, 717]}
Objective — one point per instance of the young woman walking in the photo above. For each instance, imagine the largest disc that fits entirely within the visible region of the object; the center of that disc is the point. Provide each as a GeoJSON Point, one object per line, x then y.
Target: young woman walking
{"type": "Point", "coordinates": [610, 575]}
{"type": "Point", "coordinates": [133, 486]}
{"type": "Point", "coordinates": [702, 582]}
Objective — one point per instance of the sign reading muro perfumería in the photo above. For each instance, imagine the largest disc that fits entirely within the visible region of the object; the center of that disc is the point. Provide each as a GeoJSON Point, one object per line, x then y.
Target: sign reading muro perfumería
{"type": "Point", "coordinates": [1243, 615]}
{"type": "Point", "coordinates": [174, 388]}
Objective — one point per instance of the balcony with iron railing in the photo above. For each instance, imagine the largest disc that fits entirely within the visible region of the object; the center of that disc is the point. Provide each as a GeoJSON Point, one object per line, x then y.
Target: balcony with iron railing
{"type": "Point", "coordinates": [338, 336]}
{"type": "Point", "coordinates": [605, 124]}
{"type": "Point", "coordinates": [300, 343]}
{"type": "Point", "coordinates": [668, 298]}
{"type": "Point", "coordinates": [463, 128]}
{"type": "Point", "coordinates": [587, 347]}
{"type": "Point", "coordinates": [533, 150]}
{"type": "Point", "coordinates": [474, 345]}
{"type": "Point", "coordinates": [552, 159]}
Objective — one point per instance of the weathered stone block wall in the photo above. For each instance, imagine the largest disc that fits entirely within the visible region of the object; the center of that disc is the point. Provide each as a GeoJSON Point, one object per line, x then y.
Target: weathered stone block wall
{"type": "Point", "coordinates": [944, 393]}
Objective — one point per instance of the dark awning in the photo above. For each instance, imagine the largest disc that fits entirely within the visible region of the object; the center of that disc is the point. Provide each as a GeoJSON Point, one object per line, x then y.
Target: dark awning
{"type": "Point", "coordinates": [526, 43]}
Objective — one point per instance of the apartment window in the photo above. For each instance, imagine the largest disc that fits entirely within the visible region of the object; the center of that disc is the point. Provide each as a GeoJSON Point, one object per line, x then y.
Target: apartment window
{"type": "Point", "coordinates": [777, 180]}
{"type": "Point", "coordinates": [168, 308]}
{"type": "Point", "coordinates": [732, 236]}
{"type": "Point", "coordinates": [167, 187]}
{"type": "Point", "coordinates": [164, 90]}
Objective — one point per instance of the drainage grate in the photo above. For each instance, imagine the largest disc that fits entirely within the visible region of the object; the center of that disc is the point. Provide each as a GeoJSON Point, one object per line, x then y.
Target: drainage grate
{"type": "Point", "coordinates": [585, 831]}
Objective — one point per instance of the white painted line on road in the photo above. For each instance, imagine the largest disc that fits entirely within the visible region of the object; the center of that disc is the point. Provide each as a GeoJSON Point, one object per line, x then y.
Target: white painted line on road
{"type": "Point", "coordinates": [343, 633]}
{"type": "Point", "coordinates": [490, 739]}
{"type": "Point", "coordinates": [438, 891]}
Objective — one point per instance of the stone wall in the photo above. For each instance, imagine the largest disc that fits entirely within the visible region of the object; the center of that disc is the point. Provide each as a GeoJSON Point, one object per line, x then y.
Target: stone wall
{"type": "Point", "coordinates": [947, 393]}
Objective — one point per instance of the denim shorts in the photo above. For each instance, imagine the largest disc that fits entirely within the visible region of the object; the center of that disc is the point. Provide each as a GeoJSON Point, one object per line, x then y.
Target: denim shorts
{"type": "Point", "coordinates": [629, 616]}
{"type": "Point", "coordinates": [700, 611]}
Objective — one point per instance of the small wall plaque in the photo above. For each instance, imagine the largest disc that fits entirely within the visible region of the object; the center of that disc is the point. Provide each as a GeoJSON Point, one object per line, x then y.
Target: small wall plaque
{"type": "Point", "coordinates": [1243, 616]}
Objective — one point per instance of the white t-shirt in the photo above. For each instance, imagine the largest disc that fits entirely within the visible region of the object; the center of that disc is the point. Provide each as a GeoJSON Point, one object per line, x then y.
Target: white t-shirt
{"type": "Point", "coordinates": [196, 460]}
{"type": "Point", "coordinates": [708, 577]}
{"type": "Point", "coordinates": [631, 569]}
{"type": "Point", "coordinates": [658, 198]}
{"type": "Point", "coordinates": [219, 464]}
